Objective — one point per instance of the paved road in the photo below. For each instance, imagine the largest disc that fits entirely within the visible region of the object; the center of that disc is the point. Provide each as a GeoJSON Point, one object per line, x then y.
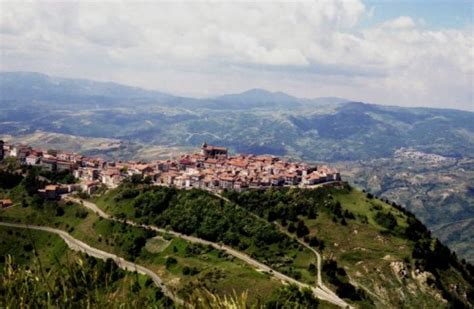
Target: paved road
{"type": "Point", "coordinates": [318, 292]}
{"type": "Point", "coordinates": [283, 230]}
{"type": "Point", "coordinates": [318, 257]}
{"type": "Point", "coordinates": [78, 245]}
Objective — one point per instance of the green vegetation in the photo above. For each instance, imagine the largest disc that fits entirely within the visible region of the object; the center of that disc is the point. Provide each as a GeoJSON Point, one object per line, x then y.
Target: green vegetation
{"type": "Point", "coordinates": [38, 270]}
{"type": "Point", "coordinates": [374, 254]}
{"type": "Point", "coordinates": [437, 190]}
{"type": "Point", "coordinates": [372, 250]}
{"type": "Point", "coordinates": [206, 216]}
{"type": "Point", "coordinates": [190, 266]}
{"type": "Point", "coordinates": [86, 282]}
{"type": "Point", "coordinates": [65, 177]}
{"type": "Point", "coordinates": [292, 297]}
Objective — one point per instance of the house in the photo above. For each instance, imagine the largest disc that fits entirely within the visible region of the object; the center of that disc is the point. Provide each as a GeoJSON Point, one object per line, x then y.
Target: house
{"type": "Point", "coordinates": [331, 173]}
{"type": "Point", "coordinates": [291, 178]}
{"type": "Point", "coordinates": [65, 156]}
{"type": "Point", "coordinates": [89, 186]}
{"type": "Point", "coordinates": [6, 203]}
{"type": "Point", "coordinates": [314, 178]}
{"type": "Point", "coordinates": [48, 164]}
{"type": "Point", "coordinates": [64, 166]}
{"type": "Point", "coordinates": [53, 192]}
{"type": "Point", "coordinates": [226, 181]}
{"type": "Point", "coordinates": [32, 160]}
{"type": "Point", "coordinates": [140, 169]}
{"type": "Point", "coordinates": [277, 181]}
{"type": "Point", "coordinates": [209, 151]}
{"type": "Point", "coordinates": [20, 152]}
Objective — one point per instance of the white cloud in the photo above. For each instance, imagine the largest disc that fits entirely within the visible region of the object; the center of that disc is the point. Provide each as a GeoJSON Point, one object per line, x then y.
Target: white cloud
{"type": "Point", "coordinates": [309, 48]}
{"type": "Point", "coordinates": [402, 22]}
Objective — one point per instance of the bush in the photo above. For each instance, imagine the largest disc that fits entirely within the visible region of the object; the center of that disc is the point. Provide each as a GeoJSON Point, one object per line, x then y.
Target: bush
{"type": "Point", "coordinates": [59, 211]}
{"type": "Point", "coordinates": [301, 229]}
{"type": "Point", "coordinates": [292, 297]}
{"type": "Point", "coordinates": [186, 270]}
{"type": "Point", "coordinates": [81, 214]}
{"type": "Point", "coordinates": [386, 220]}
{"type": "Point", "coordinates": [170, 261]}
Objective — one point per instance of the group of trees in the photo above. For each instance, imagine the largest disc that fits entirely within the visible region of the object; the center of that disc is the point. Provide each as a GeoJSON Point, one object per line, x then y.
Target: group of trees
{"type": "Point", "coordinates": [386, 220]}
{"type": "Point", "coordinates": [338, 276]}
{"type": "Point", "coordinates": [65, 177]}
{"type": "Point", "coordinates": [130, 239]}
{"type": "Point", "coordinates": [292, 297]}
{"type": "Point", "coordinates": [9, 179]}
{"type": "Point", "coordinates": [289, 205]}
{"type": "Point", "coordinates": [199, 213]}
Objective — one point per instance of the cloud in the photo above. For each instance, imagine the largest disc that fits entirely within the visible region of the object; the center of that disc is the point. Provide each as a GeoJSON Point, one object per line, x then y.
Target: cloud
{"type": "Point", "coordinates": [310, 48]}
{"type": "Point", "coordinates": [402, 22]}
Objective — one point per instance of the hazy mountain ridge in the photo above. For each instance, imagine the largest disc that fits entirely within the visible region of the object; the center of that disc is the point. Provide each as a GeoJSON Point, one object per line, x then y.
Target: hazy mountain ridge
{"type": "Point", "coordinates": [257, 121]}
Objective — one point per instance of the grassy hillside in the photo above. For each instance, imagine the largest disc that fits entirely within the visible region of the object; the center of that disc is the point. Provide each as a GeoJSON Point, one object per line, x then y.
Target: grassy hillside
{"type": "Point", "coordinates": [374, 254]}
{"type": "Point", "coordinates": [381, 250]}
{"type": "Point", "coordinates": [438, 190]}
{"type": "Point", "coordinates": [199, 213]}
{"type": "Point", "coordinates": [38, 270]}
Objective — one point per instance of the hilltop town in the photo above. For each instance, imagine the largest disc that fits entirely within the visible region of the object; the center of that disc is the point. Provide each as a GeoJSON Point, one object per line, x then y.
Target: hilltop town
{"type": "Point", "coordinates": [211, 169]}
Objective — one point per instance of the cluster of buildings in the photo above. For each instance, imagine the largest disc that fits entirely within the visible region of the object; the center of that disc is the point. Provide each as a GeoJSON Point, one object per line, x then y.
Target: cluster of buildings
{"type": "Point", "coordinates": [210, 169]}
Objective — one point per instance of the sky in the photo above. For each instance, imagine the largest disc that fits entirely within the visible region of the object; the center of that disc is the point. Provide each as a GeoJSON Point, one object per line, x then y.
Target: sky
{"type": "Point", "coordinates": [405, 53]}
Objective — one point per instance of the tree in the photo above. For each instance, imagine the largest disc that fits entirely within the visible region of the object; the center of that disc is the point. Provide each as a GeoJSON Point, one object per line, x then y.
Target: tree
{"type": "Point", "coordinates": [31, 182]}
{"type": "Point", "coordinates": [59, 211]}
{"type": "Point", "coordinates": [9, 180]}
{"type": "Point", "coordinates": [291, 227]}
{"type": "Point", "coordinates": [170, 261]}
{"type": "Point", "coordinates": [301, 229]}
{"type": "Point", "coordinates": [386, 220]}
{"type": "Point", "coordinates": [186, 270]}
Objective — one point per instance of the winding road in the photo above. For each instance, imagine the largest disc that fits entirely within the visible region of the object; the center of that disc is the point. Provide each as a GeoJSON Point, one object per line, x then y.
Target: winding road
{"type": "Point", "coordinates": [77, 245]}
{"type": "Point", "coordinates": [319, 280]}
{"type": "Point", "coordinates": [321, 291]}
{"type": "Point", "coordinates": [318, 258]}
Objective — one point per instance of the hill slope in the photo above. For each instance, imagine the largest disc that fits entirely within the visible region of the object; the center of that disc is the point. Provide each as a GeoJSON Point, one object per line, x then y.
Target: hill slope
{"type": "Point", "coordinates": [374, 254]}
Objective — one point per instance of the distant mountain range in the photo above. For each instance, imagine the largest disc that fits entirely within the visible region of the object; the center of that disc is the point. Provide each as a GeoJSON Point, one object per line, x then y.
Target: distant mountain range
{"type": "Point", "coordinates": [260, 122]}
{"type": "Point", "coordinates": [23, 86]}
{"type": "Point", "coordinates": [256, 121]}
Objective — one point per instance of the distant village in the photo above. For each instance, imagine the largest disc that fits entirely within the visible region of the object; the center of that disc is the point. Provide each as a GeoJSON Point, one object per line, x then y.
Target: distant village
{"type": "Point", "coordinates": [211, 169]}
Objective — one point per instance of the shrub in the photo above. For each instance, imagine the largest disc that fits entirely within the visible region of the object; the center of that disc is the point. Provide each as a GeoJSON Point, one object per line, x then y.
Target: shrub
{"type": "Point", "coordinates": [170, 261]}
{"type": "Point", "coordinates": [386, 220]}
